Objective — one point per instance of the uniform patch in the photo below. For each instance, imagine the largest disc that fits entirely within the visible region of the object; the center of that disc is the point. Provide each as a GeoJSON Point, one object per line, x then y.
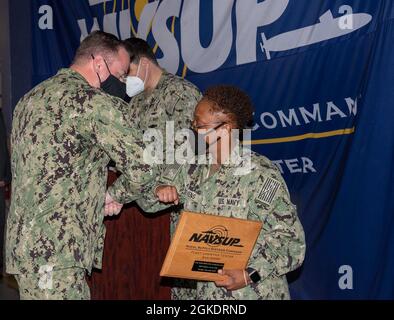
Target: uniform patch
{"type": "Point", "coordinates": [232, 202]}
{"type": "Point", "coordinates": [171, 172]}
{"type": "Point", "coordinates": [268, 191]}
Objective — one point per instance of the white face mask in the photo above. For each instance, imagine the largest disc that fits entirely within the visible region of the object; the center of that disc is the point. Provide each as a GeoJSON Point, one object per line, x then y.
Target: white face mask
{"type": "Point", "coordinates": [134, 84]}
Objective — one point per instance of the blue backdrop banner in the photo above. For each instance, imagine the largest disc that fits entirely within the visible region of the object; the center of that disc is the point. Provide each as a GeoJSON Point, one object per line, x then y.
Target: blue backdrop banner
{"type": "Point", "coordinates": [321, 75]}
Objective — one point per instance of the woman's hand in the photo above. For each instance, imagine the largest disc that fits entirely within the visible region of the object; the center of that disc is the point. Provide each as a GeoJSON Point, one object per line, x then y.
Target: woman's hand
{"type": "Point", "coordinates": [167, 194]}
{"type": "Point", "coordinates": [233, 279]}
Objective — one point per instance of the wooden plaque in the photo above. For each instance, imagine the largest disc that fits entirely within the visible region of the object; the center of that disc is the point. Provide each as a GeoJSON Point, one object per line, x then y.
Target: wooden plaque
{"type": "Point", "coordinates": [204, 243]}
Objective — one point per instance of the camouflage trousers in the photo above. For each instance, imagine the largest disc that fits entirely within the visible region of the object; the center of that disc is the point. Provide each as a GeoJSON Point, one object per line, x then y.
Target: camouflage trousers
{"type": "Point", "coordinates": [62, 284]}
{"type": "Point", "coordinates": [184, 290]}
{"type": "Point", "coordinates": [181, 289]}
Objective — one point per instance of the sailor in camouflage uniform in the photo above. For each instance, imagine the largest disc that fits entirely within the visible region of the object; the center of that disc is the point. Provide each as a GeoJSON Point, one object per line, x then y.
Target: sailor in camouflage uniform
{"type": "Point", "coordinates": [165, 98]}
{"type": "Point", "coordinates": [64, 133]}
{"type": "Point", "coordinates": [247, 186]}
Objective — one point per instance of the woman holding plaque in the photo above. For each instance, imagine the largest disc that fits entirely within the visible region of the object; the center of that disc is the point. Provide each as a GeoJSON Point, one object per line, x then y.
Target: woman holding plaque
{"type": "Point", "coordinates": [232, 181]}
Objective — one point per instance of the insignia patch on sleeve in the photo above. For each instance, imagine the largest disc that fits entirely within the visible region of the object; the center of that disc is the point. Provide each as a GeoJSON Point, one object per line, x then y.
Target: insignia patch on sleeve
{"type": "Point", "coordinates": [268, 191]}
{"type": "Point", "coordinates": [171, 172]}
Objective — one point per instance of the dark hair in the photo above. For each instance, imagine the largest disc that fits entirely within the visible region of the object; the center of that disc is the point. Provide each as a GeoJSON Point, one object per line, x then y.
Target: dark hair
{"type": "Point", "coordinates": [232, 101]}
{"type": "Point", "coordinates": [138, 48]}
{"type": "Point", "coordinates": [98, 43]}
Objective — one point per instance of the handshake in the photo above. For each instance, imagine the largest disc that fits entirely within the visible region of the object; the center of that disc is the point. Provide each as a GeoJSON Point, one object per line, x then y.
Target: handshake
{"type": "Point", "coordinates": [164, 193]}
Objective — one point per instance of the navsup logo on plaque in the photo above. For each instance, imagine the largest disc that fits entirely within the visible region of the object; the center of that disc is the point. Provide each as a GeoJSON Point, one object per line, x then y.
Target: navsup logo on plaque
{"type": "Point", "coordinates": [216, 236]}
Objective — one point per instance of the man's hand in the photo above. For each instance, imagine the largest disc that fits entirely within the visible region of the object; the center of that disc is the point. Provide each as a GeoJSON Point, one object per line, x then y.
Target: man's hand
{"type": "Point", "coordinates": [233, 279]}
{"type": "Point", "coordinates": [167, 194]}
{"type": "Point", "coordinates": [111, 206]}
{"type": "Point", "coordinates": [2, 184]}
